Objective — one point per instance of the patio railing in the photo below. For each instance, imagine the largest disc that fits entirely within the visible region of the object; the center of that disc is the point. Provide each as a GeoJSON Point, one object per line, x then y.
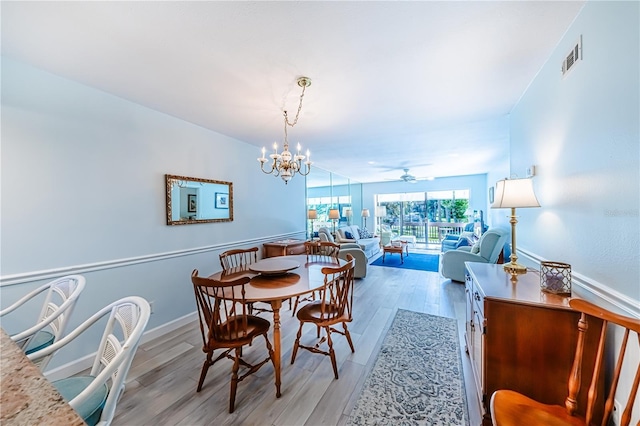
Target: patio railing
{"type": "Point", "coordinates": [429, 233]}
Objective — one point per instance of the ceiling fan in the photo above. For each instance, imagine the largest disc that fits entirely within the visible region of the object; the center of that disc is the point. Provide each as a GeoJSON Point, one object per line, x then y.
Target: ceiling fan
{"type": "Point", "coordinates": [409, 178]}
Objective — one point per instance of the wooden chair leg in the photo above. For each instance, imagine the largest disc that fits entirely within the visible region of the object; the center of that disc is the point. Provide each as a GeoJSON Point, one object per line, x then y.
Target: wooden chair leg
{"type": "Point", "coordinates": [295, 305]}
{"type": "Point", "coordinates": [348, 336]}
{"type": "Point", "coordinates": [234, 381]}
{"type": "Point", "coordinates": [205, 368]}
{"type": "Point", "coordinates": [296, 344]}
{"type": "Point", "coordinates": [332, 353]}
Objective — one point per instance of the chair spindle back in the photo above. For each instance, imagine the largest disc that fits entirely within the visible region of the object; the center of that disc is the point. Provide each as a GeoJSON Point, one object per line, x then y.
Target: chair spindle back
{"type": "Point", "coordinates": [237, 258]}
{"type": "Point", "coordinates": [629, 324]}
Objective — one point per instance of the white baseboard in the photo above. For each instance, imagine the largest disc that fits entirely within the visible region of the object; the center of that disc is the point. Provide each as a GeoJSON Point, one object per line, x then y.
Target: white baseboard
{"type": "Point", "coordinates": [76, 366]}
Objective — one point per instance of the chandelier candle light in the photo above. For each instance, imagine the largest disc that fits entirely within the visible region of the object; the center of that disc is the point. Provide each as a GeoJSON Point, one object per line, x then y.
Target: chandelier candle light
{"type": "Point", "coordinates": [512, 193]}
{"type": "Point", "coordinates": [285, 164]}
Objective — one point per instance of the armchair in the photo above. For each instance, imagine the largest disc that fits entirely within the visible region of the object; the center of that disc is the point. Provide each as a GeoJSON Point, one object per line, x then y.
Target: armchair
{"type": "Point", "coordinates": [486, 250]}
{"type": "Point", "coordinates": [360, 258]}
{"type": "Point", "coordinates": [454, 241]}
{"type": "Point", "coordinates": [385, 235]}
{"type": "Point", "coordinates": [354, 249]}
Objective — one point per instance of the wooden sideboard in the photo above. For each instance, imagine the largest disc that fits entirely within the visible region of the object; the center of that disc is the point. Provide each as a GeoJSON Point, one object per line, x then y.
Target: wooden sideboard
{"type": "Point", "coordinates": [521, 338]}
{"type": "Point", "coordinates": [283, 248]}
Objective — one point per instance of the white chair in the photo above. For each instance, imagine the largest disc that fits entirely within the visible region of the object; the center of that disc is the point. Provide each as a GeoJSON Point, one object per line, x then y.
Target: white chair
{"type": "Point", "coordinates": [56, 310]}
{"type": "Point", "coordinates": [95, 396]}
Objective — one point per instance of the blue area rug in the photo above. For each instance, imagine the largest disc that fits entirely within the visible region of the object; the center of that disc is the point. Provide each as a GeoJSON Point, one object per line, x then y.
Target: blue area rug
{"type": "Point", "coordinates": [419, 261]}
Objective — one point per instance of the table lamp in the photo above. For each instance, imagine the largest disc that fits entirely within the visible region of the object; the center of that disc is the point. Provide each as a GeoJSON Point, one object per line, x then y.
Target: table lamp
{"type": "Point", "coordinates": [334, 215]}
{"type": "Point", "coordinates": [514, 193]}
{"type": "Point", "coordinates": [312, 214]}
{"type": "Point", "coordinates": [365, 215]}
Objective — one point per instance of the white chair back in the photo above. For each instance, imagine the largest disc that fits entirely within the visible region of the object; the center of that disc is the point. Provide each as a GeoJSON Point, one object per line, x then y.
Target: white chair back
{"type": "Point", "coordinates": [127, 318]}
{"type": "Point", "coordinates": [60, 300]}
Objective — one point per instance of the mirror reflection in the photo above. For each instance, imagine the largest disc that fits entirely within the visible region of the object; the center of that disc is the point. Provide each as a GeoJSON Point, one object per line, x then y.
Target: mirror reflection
{"type": "Point", "coordinates": [197, 200]}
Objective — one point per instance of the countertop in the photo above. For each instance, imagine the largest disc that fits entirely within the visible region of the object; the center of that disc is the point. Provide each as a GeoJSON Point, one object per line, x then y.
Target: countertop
{"type": "Point", "coordinates": [26, 396]}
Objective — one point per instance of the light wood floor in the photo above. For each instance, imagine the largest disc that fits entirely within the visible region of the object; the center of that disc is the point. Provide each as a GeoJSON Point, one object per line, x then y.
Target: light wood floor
{"type": "Point", "coordinates": [162, 382]}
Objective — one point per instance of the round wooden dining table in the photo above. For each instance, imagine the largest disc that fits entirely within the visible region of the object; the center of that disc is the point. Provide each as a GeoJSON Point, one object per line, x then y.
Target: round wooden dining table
{"type": "Point", "coordinates": [273, 287]}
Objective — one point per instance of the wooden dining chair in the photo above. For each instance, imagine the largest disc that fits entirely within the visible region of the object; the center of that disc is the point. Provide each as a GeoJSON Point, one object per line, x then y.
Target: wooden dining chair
{"type": "Point", "coordinates": [334, 307]}
{"type": "Point", "coordinates": [317, 252]}
{"type": "Point", "coordinates": [241, 258]}
{"type": "Point", "coordinates": [237, 258]}
{"type": "Point", "coordinates": [322, 248]}
{"type": "Point", "coordinates": [512, 408]}
{"type": "Point", "coordinates": [226, 324]}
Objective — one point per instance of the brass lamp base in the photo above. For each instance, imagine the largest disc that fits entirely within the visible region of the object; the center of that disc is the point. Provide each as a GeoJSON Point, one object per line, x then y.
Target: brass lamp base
{"type": "Point", "coordinates": [515, 268]}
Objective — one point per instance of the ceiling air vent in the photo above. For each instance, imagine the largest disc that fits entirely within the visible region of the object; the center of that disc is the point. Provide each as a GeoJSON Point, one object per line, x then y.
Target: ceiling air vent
{"type": "Point", "coordinates": [572, 58]}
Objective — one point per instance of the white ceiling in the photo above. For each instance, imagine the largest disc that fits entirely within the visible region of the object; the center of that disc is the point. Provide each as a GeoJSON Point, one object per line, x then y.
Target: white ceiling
{"type": "Point", "coordinates": [424, 85]}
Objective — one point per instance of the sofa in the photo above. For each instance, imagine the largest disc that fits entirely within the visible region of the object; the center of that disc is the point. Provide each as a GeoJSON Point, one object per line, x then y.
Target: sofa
{"type": "Point", "coordinates": [486, 250]}
{"type": "Point", "coordinates": [351, 234]}
{"type": "Point", "coordinates": [370, 246]}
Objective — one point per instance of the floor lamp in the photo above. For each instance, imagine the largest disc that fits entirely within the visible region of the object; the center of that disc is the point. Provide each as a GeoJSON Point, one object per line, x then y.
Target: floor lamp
{"type": "Point", "coordinates": [312, 214]}
{"type": "Point", "coordinates": [514, 193]}
{"type": "Point", "coordinates": [334, 215]}
{"type": "Point", "coordinates": [365, 215]}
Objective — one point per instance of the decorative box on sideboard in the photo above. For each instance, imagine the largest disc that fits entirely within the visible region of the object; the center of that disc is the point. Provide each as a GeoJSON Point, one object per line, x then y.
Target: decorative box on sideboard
{"type": "Point", "coordinates": [283, 248]}
{"type": "Point", "coordinates": [521, 338]}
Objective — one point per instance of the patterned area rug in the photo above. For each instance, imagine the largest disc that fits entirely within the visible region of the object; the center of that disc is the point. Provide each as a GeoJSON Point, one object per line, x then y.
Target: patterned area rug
{"type": "Point", "coordinates": [417, 378]}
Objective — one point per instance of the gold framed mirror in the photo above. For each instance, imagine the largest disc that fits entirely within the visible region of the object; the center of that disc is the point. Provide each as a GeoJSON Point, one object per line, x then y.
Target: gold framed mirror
{"type": "Point", "coordinates": [196, 200]}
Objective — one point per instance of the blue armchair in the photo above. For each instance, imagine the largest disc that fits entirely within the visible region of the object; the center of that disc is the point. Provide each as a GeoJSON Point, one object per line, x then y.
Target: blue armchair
{"type": "Point", "coordinates": [452, 242]}
{"type": "Point", "coordinates": [486, 250]}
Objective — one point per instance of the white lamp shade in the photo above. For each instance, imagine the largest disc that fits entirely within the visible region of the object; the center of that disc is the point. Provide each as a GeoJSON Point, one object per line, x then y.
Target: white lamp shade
{"type": "Point", "coordinates": [514, 193]}
{"type": "Point", "coordinates": [312, 214]}
{"type": "Point", "coordinates": [334, 214]}
{"type": "Point", "coordinates": [347, 212]}
{"type": "Point", "coordinates": [381, 211]}
{"type": "Point", "coordinates": [365, 212]}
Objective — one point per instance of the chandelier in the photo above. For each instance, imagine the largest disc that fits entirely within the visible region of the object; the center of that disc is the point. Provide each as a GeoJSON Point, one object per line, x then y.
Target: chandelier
{"type": "Point", "coordinates": [285, 164]}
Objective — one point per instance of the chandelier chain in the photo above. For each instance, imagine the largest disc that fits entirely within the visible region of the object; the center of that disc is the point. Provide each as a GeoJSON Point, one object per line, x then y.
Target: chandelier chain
{"type": "Point", "coordinates": [295, 121]}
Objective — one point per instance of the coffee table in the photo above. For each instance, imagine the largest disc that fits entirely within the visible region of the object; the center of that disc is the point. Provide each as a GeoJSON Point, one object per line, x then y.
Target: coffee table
{"type": "Point", "coordinates": [400, 247]}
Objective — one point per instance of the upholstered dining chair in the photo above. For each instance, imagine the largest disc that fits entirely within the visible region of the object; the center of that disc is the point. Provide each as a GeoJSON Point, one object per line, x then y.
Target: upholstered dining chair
{"type": "Point", "coordinates": [334, 307]}
{"type": "Point", "coordinates": [512, 408]}
{"type": "Point", "coordinates": [60, 299]}
{"type": "Point", "coordinates": [227, 326]}
{"type": "Point", "coordinates": [94, 396]}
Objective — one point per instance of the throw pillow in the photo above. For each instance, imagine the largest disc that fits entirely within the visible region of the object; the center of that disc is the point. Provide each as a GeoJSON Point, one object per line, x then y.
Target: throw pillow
{"type": "Point", "coordinates": [364, 233]}
{"type": "Point", "coordinates": [476, 248]}
{"type": "Point", "coordinates": [348, 235]}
